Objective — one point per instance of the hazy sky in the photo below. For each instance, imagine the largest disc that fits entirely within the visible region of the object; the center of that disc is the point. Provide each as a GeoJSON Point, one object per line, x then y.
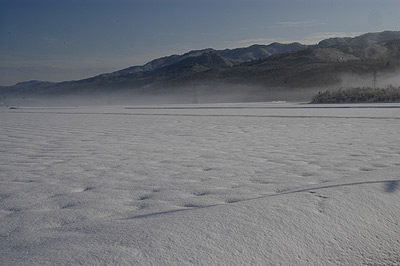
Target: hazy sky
{"type": "Point", "coordinates": [59, 40]}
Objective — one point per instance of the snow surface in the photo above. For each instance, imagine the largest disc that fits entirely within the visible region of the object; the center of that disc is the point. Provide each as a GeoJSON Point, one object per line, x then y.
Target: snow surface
{"type": "Point", "coordinates": [228, 184]}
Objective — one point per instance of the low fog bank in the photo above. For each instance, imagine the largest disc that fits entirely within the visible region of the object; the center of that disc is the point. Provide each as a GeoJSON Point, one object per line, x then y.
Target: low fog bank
{"type": "Point", "coordinates": [378, 86]}
{"type": "Point", "coordinates": [192, 94]}
{"type": "Point", "coordinates": [370, 80]}
{"type": "Point", "coordinates": [177, 95]}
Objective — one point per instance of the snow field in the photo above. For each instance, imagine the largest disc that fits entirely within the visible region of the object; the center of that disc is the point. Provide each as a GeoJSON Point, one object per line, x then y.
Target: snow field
{"type": "Point", "coordinates": [232, 184]}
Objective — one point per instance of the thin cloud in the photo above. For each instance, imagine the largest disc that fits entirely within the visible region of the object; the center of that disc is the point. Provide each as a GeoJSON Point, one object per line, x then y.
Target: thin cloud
{"type": "Point", "coordinates": [313, 38]}
{"type": "Point", "coordinates": [248, 42]}
{"type": "Point", "coordinates": [18, 68]}
{"type": "Point", "coordinates": [292, 24]}
{"type": "Point", "coordinates": [49, 39]}
{"type": "Point", "coordinates": [319, 36]}
{"type": "Point", "coordinates": [67, 63]}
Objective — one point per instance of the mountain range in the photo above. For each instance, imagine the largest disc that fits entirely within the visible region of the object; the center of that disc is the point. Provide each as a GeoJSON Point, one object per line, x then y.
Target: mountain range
{"type": "Point", "coordinates": [258, 72]}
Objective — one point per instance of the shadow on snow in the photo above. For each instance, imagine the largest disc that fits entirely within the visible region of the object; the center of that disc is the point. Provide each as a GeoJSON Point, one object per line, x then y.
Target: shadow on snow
{"type": "Point", "coordinates": [390, 186]}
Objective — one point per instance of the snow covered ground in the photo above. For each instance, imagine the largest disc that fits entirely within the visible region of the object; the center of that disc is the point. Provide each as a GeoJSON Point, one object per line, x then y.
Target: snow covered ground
{"type": "Point", "coordinates": [228, 184]}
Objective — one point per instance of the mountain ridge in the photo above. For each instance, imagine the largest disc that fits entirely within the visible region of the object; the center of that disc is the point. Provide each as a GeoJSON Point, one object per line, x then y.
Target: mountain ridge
{"type": "Point", "coordinates": [290, 66]}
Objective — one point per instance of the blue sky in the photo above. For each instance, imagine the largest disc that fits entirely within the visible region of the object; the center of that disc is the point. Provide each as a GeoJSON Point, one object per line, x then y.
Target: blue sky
{"type": "Point", "coordinates": [59, 40]}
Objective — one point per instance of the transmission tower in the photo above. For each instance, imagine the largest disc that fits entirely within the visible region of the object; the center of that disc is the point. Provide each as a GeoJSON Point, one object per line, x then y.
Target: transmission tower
{"type": "Point", "coordinates": [375, 78]}
{"type": "Point", "coordinates": [195, 99]}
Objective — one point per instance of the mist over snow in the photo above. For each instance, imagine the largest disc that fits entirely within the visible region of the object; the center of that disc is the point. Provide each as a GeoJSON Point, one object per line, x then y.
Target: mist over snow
{"type": "Point", "coordinates": [200, 184]}
{"type": "Point", "coordinates": [382, 80]}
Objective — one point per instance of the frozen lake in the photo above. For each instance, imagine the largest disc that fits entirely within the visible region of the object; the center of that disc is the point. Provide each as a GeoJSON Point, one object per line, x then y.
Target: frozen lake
{"type": "Point", "coordinates": [220, 184]}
